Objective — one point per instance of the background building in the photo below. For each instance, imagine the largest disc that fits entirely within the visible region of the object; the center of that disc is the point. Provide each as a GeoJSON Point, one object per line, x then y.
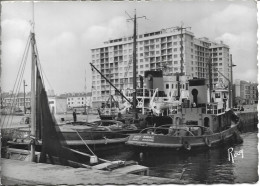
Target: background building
{"type": "Point", "coordinates": [58, 104]}
{"type": "Point", "coordinates": [20, 102]}
{"type": "Point", "coordinates": [245, 92]}
{"type": "Point", "coordinates": [157, 50]}
{"type": "Point", "coordinates": [79, 100]}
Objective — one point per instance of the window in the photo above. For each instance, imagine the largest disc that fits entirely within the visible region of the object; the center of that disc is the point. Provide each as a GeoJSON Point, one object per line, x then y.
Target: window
{"type": "Point", "coordinates": [167, 86]}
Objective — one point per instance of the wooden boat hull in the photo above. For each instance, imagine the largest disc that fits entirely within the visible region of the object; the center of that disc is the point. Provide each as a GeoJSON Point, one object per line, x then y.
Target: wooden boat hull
{"type": "Point", "coordinates": [181, 142]}
{"type": "Point", "coordinates": [72, 138]}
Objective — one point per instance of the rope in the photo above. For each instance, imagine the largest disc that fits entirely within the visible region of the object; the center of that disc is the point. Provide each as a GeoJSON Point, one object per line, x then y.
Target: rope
{"type": "Point", "coordinates": [85, 143]}
{"type": "Point", "coordinates": [20, 80]}
{"type": "Point", "coordinates": [19, 74]}
{"type": "Point", "coordinates": [38, 64]}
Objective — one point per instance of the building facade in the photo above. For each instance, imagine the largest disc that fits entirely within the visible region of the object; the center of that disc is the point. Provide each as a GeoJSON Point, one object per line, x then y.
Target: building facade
{"type": "Point", "coordinates": [17, 102]}
{"type": "Point", "coordinates": [79, 100]}
{"type": "Point", "coordinates": [245, 92]}
{"type": "Point", "coordinates": [58, 104]}
{"type": "Point", "coordinates": [156, 51]}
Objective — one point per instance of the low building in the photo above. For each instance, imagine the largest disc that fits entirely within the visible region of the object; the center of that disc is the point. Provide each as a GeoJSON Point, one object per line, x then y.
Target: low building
{"type": "Point", "coordinates": [19, 103]}
{"type": "Point", "coordinates": [58, 104]}
{"type": "Point", "coordinates": [79, 100]}
{"type": "Point", "coordinates": [245, 92]}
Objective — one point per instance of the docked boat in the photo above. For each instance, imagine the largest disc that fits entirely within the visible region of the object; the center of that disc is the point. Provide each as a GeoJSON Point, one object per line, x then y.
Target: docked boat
{"type": "Point", "coordinates": [100, 133]}
{"type": "Point", "coordinates": [203, 120]}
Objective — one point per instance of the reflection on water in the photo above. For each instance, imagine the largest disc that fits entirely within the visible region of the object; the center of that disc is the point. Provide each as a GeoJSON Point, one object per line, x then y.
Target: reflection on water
{"type": "Point", "coordinates": [209, 166]}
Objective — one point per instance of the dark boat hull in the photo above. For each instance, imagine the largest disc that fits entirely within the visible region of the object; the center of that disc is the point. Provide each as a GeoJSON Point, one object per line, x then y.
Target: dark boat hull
{"type": "Point", "coordinates": [72, 138]}
{"type": "Point", "coordinates": [156, 141]}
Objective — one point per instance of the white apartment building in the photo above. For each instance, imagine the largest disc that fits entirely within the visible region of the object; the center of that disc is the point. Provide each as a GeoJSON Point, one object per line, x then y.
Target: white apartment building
{"type": "Point", "coordinates": [155, 50]}
{"type": "Point", "coordinates": [79, 100]}
{"type": "Point", "coordinates": [17, 102]}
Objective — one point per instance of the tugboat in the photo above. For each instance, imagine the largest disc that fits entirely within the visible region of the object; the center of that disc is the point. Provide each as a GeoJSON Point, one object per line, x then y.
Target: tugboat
{"type": "Point", "coordinates": [203, 120]}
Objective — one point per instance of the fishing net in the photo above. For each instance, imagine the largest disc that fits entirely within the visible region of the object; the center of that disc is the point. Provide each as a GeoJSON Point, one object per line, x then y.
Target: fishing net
{"type": "Point", "coordinates": [54, 148]}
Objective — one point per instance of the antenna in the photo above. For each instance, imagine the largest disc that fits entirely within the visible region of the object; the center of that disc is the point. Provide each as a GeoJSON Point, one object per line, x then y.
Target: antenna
{"type": "Point", "coordinates": [32, 20]}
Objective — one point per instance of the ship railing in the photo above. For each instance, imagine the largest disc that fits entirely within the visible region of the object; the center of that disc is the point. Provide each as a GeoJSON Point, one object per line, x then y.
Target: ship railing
{"type": "Point", "coordinates": [140, 92]}
{"type": "Point", "coordinates": [108, 111]}
{"type": "Point", "coordinates": [169, 129]}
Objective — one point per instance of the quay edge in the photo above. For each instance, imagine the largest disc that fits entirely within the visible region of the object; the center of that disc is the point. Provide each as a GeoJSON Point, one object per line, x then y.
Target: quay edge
{"type": "Point", "coordinates": [29, 173]}
{"type": "Point", "coordinates": [248, 120]}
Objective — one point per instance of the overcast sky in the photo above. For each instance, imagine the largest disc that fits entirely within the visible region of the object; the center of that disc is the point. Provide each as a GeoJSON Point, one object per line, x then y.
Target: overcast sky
{"type": "Point", "coordinates": [66, 31]}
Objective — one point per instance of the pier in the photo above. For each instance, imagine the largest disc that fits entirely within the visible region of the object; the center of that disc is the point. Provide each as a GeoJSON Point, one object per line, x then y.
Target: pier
{"type": "Point", "coordinates": [28, 173]}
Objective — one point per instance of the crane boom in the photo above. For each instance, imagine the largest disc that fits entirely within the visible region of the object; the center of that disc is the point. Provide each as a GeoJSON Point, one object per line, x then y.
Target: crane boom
{"type": "Point", "coordinates": [111, 84]}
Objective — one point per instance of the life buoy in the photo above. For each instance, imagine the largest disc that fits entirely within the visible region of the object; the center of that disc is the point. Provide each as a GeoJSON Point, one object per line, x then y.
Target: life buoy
{"type": "Point", "coordinates": [207, 142]}
{"type": "Point", "coordinates": [186, 145]}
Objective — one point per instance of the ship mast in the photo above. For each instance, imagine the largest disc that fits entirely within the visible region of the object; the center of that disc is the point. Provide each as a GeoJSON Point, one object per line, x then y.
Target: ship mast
{"type": "Point", "coordinates": [85, 87]}
{"type": "Point", "coordinates": [134, 63]}
{"type": "Point", "coordinates": [231, 82]}
{"type": "Point", "coordinates": [210, 78]}
{"type": "Point", "coordinates": [181, 28]}
{"type": "Point", "coordinates": [134, 69]}
{"type": "Point", "coordinates": [33, 86]}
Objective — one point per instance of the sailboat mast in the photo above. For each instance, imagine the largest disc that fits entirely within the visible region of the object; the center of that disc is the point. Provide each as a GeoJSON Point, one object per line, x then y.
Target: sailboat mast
{"type": "Point", "coordinates": [33, 89]}
{"type": "Point", "coordinates": [134, 69]}
{"type": "Point", "coordinates": [33, 97]}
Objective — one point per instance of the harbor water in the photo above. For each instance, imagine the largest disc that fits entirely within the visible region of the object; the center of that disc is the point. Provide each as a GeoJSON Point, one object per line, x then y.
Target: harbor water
{"type": "Point", "coordinates": [205, 167]}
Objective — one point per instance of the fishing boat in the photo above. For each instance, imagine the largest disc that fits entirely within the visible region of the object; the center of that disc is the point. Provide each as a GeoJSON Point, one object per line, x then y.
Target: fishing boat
{"type": "Point", "coordinates": [101, 134]}
{"type": "Point", "coordinates": [203, 120]}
